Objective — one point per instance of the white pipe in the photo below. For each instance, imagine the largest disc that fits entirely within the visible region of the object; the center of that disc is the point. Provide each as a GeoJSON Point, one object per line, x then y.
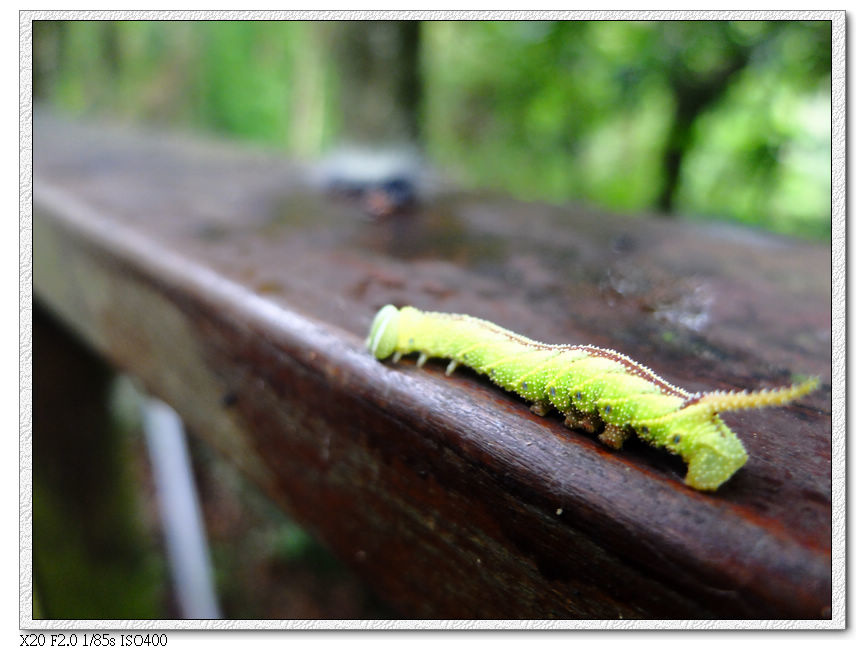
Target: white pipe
{"type": "Point", "coordinates": [182, 521]}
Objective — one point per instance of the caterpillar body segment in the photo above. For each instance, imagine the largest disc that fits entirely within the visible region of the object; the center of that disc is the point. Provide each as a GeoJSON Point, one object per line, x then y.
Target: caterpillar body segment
{"type": "Point", "coordinates": [596, 389]}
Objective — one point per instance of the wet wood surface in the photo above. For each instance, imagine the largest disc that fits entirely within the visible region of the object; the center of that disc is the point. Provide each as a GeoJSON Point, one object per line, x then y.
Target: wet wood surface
{"type": "Point", "coordinates": [239, 292]}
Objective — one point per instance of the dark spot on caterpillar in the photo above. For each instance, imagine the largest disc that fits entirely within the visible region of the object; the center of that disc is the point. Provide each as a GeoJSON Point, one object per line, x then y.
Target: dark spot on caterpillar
{"type": "Point", "coordinates": [607, 408]}
{"type": "Point", "coordinates": [411, 341]}
{"type": "Point", "coordinates": [553, 390]}
{"type": "Point", "coordinates": [525, 386]}
{"type": "Point", "coordinates": [579, 397]}
{"type": "Point", "coordinates": [677, 439]}
{"type": "Point", "coordinates": [644, 429]}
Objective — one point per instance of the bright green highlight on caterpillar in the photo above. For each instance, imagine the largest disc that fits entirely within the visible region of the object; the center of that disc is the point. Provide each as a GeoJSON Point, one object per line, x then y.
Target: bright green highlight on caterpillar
{"type": "Point", "coordinates": [596, 389]}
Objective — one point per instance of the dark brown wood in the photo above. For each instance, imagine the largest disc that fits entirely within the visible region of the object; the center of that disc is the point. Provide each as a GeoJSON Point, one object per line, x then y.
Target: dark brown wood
{"type": "Point", "coordinates": [91, 556]}
{"type": "Point", "coordinates": [242, 296]}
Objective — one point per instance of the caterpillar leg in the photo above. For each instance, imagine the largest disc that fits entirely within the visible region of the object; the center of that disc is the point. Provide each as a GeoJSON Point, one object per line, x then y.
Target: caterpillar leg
{"type": "Point", "coordinates": [585, 421]}
{"type": "Point", "coordinates": [614, 436]}
{"type": "Point", "coordinates": [540, 408]}
{"type": "Point", "coordinates": [453, 365]}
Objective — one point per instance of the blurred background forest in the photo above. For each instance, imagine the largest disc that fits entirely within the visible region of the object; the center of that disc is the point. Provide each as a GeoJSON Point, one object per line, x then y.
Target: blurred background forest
{"type": "Point", "coordinates": [700, 119]}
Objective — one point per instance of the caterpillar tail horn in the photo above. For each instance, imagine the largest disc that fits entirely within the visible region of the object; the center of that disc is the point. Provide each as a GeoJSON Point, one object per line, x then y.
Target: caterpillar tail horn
{"type": "Point", "coordinates": [722, 401]}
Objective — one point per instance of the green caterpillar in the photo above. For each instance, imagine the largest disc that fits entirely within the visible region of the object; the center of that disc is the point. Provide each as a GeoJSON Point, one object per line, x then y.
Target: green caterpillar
{"type": "Point", "coordinates": [596, 389]}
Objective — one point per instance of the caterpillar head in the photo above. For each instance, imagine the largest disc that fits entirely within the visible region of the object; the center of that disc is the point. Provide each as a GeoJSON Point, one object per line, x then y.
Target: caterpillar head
{"type": "Point", "coordinates": [382, 337]}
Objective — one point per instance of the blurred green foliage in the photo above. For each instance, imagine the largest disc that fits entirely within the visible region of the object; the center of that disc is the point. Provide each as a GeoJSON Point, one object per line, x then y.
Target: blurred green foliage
{"type": "Point", "coordinates": [699, 118]}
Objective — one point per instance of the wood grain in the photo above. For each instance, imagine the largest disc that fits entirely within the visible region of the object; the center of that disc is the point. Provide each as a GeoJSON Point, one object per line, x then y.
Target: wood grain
{"type": "Point", "coordinates": [241, 294]}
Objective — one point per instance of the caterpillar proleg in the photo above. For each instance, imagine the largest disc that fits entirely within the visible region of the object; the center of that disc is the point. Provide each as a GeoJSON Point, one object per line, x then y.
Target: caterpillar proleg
{"type": "Point", "coordinates": [596, 389]}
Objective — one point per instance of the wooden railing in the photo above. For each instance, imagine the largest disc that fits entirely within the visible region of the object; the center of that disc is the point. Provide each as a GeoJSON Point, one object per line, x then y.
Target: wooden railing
{"type": "Point", "coordinates": [241, 294]}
